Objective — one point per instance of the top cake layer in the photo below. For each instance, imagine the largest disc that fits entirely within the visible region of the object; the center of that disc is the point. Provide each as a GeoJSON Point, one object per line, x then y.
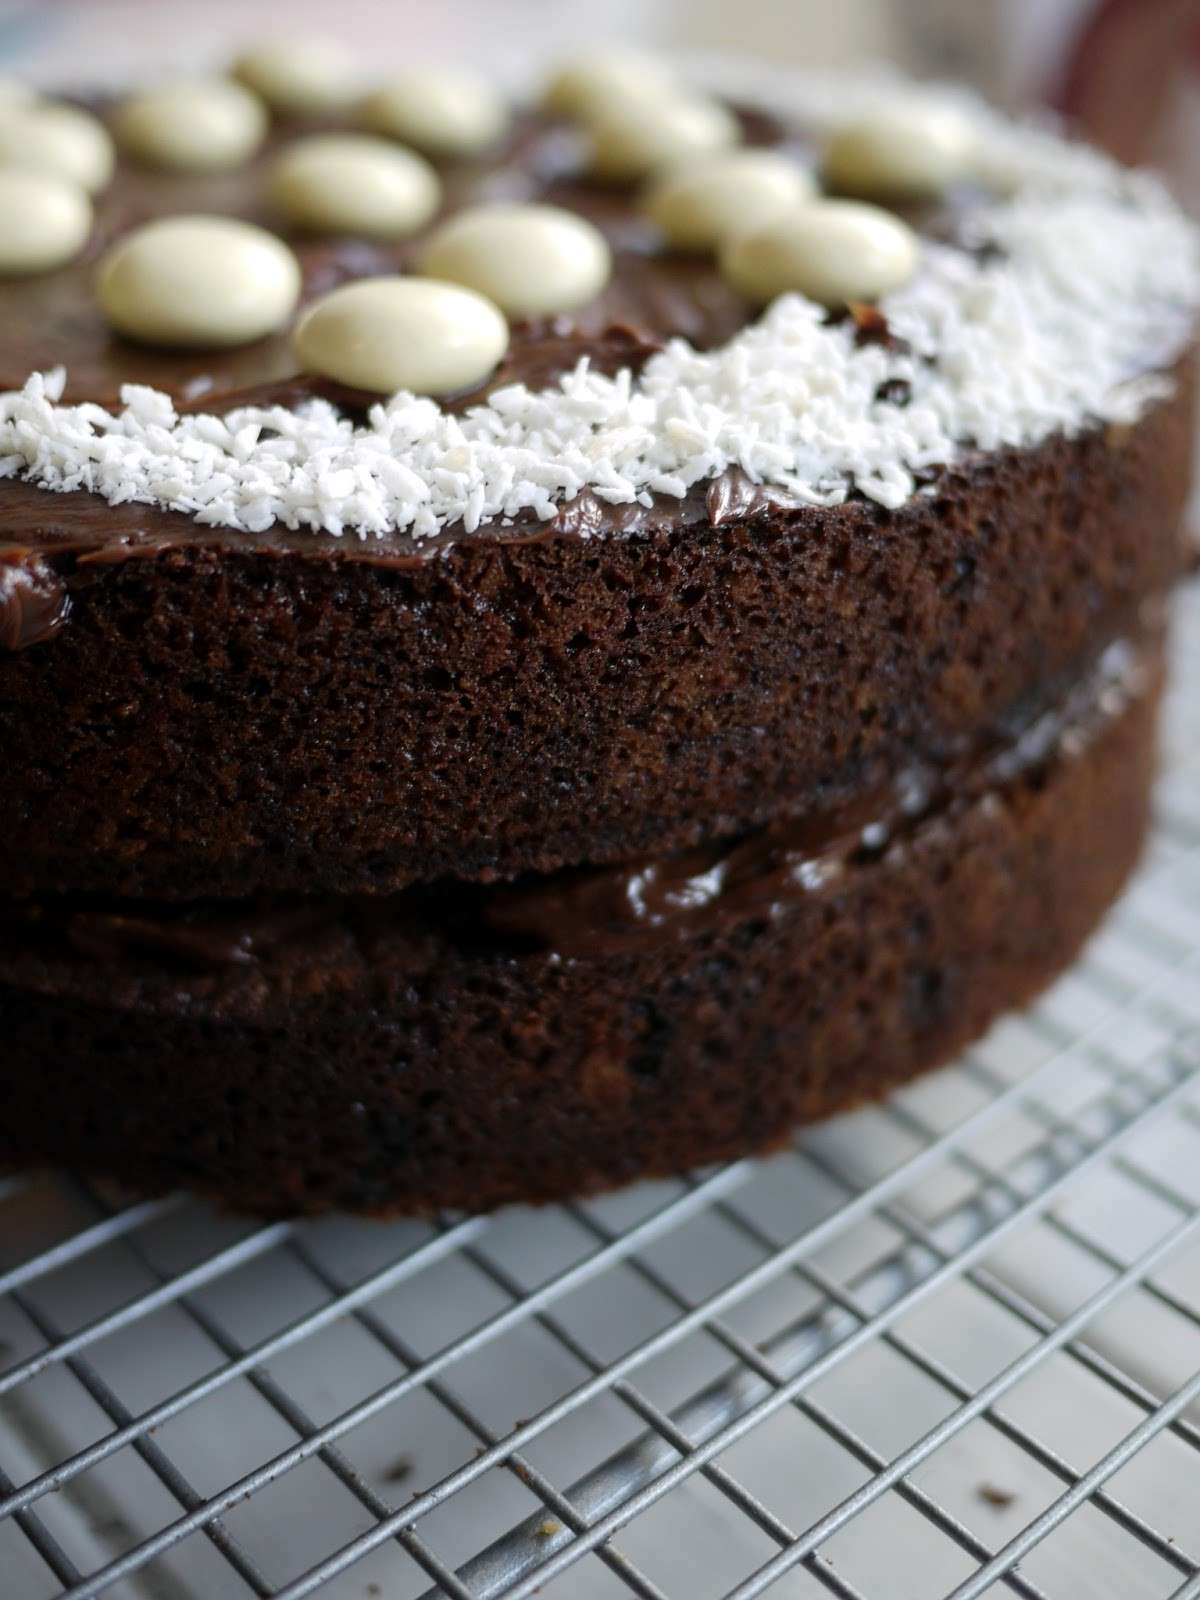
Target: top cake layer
{"type": "Point", "coordinates": [674, 570]}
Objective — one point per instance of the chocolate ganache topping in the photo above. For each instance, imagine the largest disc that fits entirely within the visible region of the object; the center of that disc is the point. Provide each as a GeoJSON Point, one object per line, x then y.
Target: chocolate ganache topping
{"type": "Point", "coordinates": [655, 294]}
{"type": "Point", "coordinates": [652, 296]}
{"type": "Point", "coordinates": [55, 319]}
{"type": "Point", "coordinates": [34, 603]}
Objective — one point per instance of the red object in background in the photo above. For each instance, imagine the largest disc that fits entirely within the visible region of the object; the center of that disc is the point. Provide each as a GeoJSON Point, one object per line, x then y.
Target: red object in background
{"type": "Point", "coordinates": [1129, 59]}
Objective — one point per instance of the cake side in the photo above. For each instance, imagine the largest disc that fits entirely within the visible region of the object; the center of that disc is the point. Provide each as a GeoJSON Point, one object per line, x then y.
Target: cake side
{"type": "Point", "coordinates": [218, 718]}
{"type": "Point", "coordinates": [669, 570]}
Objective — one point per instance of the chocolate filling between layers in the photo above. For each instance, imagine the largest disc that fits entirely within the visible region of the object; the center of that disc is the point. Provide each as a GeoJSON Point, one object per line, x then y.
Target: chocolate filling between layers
{"type": "Point", "coordinates": [591, 913]}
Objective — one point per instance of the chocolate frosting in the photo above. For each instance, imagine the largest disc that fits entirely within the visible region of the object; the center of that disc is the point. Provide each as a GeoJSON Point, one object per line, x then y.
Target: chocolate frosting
{"type": "Point", "coordinates": [199, 937]}
{"type": "Point", "coordinates": [595, 912]}
{"type": "Point", "coordinates": [54, 319]}
{"type": "Point", "coordinates": [653, 295]}
{"type": "Point", "coordinates": [34, 603]}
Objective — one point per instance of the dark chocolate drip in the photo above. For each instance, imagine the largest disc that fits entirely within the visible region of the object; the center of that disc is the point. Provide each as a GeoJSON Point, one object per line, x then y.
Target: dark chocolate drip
{"type": "Point", "coordinates": [588, 913]}
{"type": "Point", "coordinates": [34, 603]}
{"type": "Point", "coordinates": [735, 497]}
{"type": "Point", "coordinates": [587, 514]}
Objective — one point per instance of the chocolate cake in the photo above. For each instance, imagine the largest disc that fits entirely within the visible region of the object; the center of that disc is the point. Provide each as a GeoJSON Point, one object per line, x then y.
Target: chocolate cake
{"type": "Point", "coordinates": [699, 720]}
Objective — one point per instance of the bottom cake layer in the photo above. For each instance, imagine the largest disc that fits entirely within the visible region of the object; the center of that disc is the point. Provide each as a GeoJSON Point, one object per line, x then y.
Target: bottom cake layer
{"type": "Point", "coordinates": [462, 1046]}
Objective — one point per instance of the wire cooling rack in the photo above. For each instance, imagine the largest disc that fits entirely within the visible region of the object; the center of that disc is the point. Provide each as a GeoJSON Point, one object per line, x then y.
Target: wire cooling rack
{"type": "Point", "coordinates": [947, 1346]}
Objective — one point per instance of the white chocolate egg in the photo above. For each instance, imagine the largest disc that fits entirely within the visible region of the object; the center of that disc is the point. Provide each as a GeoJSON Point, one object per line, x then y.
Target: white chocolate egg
{"type": "Point", "coordinates": [198, 282]}
{"type": "Point", "coordinates": [353, 183]}
{"type": "Point", "coordinates": [212, 125]}
{"type": "Point", "coordinates": [635, 137]}
{"type": "Point", "coordinates": [833, 251]}
{"type": "Point", "coordinates": [594, 85]}
{"type": "Point", "coordinates": [699, 203]}
{"type": "Point", "coordinates": [532, 260]}
{"type": "Point", "coordinates": [44, 221]}
{"type": "Point", "coordinates": [385, 334]}
{"type": "Point", "coordinates": [900, 151]}
{"type": "Point", "coordinates": [441, 112]}
{"type": "Point", "coordinates": [298, 77]}
{"type": "Point", "coordinates": [60, 139]}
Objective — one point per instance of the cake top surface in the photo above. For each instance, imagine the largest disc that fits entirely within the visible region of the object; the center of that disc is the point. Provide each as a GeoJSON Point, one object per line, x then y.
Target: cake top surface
{"type": "Point", "coordinates": [830, 349]}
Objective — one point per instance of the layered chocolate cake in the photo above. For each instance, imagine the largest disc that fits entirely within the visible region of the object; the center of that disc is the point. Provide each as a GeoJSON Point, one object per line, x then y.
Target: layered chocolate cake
{"type": "Point", "coordinates": [545, 646]}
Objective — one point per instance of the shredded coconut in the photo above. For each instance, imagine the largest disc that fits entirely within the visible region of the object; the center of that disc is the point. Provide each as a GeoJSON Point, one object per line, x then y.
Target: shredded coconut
{"type": "Point", "coordinates": [1060, 311]}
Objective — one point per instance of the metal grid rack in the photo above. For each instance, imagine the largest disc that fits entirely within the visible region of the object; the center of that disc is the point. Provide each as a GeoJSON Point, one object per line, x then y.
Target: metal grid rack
{"type": "Point", "coordinates": [947, 1346]}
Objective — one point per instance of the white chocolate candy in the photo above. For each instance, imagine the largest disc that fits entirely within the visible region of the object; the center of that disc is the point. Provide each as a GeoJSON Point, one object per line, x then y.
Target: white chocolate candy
{"type": "Point", "coordinates": [699, 203]}
{"type": "Point", "coordinates": [63, 140]}
{"type": "Point", "coordinates": [907, 149]}
{"type": "Point", "coordinates": [592, 85]}
{"type": "Point", "coordinates": [211, 125]}
{"type": "Point", "coordinates": [352, 183]}
{"type": "Point", "coordinates": [441, 112]}
{"type": "Point", "coordinates": [198, 282]}
{"type": "Point", "coordinates": [832, 251]}
{"type": "Point", "coordinates": [44, 221]}
{"type": "Point", "coordinates": [531, 260]}
{"type": "Point", "coordinates": [385, 334]}
{"type": "Point", "coordinates": [635, 137]}
{"type": "Point", "coordinates": [299, 77]}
